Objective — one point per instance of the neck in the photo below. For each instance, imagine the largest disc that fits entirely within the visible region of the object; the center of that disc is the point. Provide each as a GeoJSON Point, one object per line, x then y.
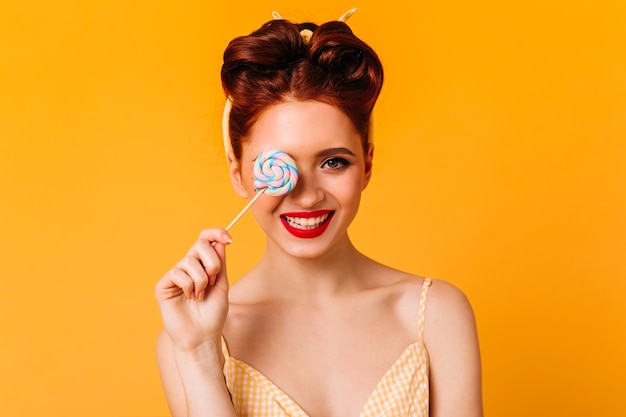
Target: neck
{"type": "Point", "coordinates": [338, 271]}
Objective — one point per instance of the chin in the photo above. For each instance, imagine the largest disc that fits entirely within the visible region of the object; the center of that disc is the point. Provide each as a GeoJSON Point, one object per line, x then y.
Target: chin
{"type": "Point", "coordinates": [310, 249]}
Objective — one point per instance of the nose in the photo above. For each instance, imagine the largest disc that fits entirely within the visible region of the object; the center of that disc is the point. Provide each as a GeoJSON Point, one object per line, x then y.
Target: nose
{"type": "Point", "coordinates": [307, 193]}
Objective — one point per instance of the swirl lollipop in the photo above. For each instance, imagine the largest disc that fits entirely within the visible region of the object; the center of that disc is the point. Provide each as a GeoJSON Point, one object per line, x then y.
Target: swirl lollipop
{"type": "Point", "coordinates": [275, 173]}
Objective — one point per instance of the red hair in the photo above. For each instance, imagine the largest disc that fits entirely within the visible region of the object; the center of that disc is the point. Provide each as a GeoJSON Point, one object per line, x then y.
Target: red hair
{"type": "Point", "coordinates": [274, 64]}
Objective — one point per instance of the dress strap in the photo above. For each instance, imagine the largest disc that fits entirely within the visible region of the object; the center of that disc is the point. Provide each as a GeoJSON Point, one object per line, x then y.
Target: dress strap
{"type": "Point", "coordinates": [225, 348]}
{"type": "Point", "coordinates": [422, 307]}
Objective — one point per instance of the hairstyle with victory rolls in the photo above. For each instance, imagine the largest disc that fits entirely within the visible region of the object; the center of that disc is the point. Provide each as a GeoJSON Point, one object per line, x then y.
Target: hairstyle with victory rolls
{"type": "Point", "coordinates": [283, 60]}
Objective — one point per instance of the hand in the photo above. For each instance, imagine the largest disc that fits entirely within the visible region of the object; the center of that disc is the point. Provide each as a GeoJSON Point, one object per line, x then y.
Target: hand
{"type": "Point", "coordinates": [193, 296]}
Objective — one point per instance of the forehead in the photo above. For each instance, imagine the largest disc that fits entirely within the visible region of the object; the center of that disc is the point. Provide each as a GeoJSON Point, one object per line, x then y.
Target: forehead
{"type": "Point", "coordinates": [299, 127]}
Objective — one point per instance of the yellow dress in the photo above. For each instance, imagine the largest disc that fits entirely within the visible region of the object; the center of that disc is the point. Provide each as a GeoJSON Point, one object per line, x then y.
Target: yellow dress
{"type": "Point", "coordinates": [402, 391]}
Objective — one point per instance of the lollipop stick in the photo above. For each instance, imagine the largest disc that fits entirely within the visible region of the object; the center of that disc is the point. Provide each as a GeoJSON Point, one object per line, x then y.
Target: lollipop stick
{"type": "Point", "coordinates": [251, 202]}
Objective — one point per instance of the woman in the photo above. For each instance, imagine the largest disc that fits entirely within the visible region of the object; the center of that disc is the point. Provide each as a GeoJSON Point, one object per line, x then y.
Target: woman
{"type": "Point", "coordinates": [316, 328]}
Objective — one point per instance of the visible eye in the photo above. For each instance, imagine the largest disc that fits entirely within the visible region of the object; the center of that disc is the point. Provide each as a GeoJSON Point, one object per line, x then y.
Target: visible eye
{"type": "Point", "coordinates": [335, 163]}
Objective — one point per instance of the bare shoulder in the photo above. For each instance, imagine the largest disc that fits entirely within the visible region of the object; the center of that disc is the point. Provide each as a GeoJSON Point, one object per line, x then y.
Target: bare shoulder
{"type": "Point", "coordinates": [449, 316]}
{"type": "Point", "coordinates": [447, 302]}
{"type": "Point", "coordinates": [451, 339]}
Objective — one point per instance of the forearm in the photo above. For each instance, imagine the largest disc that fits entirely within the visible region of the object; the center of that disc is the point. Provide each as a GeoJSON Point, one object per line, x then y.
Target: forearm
{"type": "Point", "coordinates": [203, 381]}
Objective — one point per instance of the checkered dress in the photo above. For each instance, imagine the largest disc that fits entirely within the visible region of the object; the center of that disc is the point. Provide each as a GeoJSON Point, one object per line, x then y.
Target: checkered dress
{"type": "Point", "coordinates": [402, 392]}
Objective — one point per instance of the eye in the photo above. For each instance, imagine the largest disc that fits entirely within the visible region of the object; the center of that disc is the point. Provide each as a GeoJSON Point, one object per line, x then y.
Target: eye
{"type": "Point", "coordinates": [335, 163]}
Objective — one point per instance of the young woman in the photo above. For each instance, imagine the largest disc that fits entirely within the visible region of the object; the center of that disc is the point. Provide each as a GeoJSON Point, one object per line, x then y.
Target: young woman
{"type": "Point", "coordinates": [316, 328]}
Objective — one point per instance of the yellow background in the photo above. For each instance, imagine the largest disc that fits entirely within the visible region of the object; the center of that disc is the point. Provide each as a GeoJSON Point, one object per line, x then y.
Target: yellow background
{"type": "Point", "coordinates": [500, 166]}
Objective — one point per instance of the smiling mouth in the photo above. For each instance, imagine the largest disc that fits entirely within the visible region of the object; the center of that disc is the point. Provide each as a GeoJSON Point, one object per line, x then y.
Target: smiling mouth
{"type": "Point", "coordinates": [307, 223]}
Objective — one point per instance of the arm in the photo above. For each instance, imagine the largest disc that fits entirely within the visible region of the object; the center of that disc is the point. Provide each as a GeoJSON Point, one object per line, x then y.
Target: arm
{"type": "Point", "coordinates": [452, 343]}
{"type": "Point", "coordinates": [193, 298]}
{"type": "Point", "coordinates": [193, 381]}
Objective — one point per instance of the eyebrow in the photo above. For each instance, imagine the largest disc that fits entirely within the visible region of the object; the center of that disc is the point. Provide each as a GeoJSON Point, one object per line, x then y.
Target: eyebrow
{"type": "Point", "coordinates": [334, 151]}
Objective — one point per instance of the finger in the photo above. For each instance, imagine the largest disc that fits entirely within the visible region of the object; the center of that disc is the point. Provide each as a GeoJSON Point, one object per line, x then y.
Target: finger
{"type": "Point", "coordinates": [193, 266]}
{"type": "Point", "coordinates": [221, 280]}
{"type": "Point", "coordinates": [204, 251]}
{"type": "Point", "coordinates": [206, 255]}
{"type": "Point", "coordinates": [215, 235]}
{"type": "Point", "coordinates": [175, 282]}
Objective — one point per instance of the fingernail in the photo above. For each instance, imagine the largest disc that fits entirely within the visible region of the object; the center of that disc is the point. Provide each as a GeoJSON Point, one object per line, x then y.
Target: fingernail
{"type": "Point", "coordinates": [227, 238]}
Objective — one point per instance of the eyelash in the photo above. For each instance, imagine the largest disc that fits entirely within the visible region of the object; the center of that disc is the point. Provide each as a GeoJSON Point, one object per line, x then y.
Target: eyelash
{"type": "Point", "coordinates": [343, 163]}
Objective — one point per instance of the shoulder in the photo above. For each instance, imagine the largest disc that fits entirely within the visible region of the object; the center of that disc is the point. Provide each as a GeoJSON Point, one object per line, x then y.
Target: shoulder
{"type": "Point", "coordinates": [447, 301]}
{"type": "Point", "coordinates": [451, 340]}
{"type": "Point", "coordinates": [449, 314]}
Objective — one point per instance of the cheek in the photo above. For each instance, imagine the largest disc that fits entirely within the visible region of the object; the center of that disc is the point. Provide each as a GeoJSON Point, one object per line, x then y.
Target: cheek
{"type": "Point", "coordinates": [264, 212]}
{"type": "Point", "coordinates": [265, 206]}
{"type": "Point", "coordinates": [247, 178]}
{"type": "Point", "coordinates": [348, 189]}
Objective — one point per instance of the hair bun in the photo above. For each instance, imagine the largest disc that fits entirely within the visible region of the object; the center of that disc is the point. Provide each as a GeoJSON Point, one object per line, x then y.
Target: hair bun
{"type": "Point", "coordinates": [348, 61]}
{"type": "Point", "coordinates": [275, 63]}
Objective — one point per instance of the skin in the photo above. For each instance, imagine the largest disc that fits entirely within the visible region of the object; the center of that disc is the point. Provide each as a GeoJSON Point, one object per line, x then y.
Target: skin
{"type": "Point", "coordinates": [312, 312]}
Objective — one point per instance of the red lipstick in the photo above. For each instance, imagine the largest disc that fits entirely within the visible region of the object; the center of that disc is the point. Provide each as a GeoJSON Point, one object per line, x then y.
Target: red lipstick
{"type": "Point", "coordinates": [297, 223]}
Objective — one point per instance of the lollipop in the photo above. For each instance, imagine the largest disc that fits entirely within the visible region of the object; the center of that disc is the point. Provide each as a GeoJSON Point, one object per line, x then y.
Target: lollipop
{"type": "Point", "coordinates": [275, 173]}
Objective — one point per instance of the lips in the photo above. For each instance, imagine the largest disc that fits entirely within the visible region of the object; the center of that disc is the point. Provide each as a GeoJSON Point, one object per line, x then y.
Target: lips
{"type": "Point", "coordinates": [307, 225]}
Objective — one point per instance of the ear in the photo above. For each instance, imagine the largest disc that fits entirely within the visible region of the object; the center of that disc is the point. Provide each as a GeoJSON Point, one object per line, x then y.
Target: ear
{"type": "Point", "coordinates": [369, 156]}
{"type": "Point", "coordinates": [235, 174]}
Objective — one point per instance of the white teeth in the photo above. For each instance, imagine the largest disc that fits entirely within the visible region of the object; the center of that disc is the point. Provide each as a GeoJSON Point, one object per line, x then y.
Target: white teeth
{"type": "Point", "coordinates": [306, 223]}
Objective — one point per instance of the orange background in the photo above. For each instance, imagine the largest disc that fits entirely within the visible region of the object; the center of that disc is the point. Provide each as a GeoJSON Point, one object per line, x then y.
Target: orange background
{"type": "Point", "coordinates": [500, 166]}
